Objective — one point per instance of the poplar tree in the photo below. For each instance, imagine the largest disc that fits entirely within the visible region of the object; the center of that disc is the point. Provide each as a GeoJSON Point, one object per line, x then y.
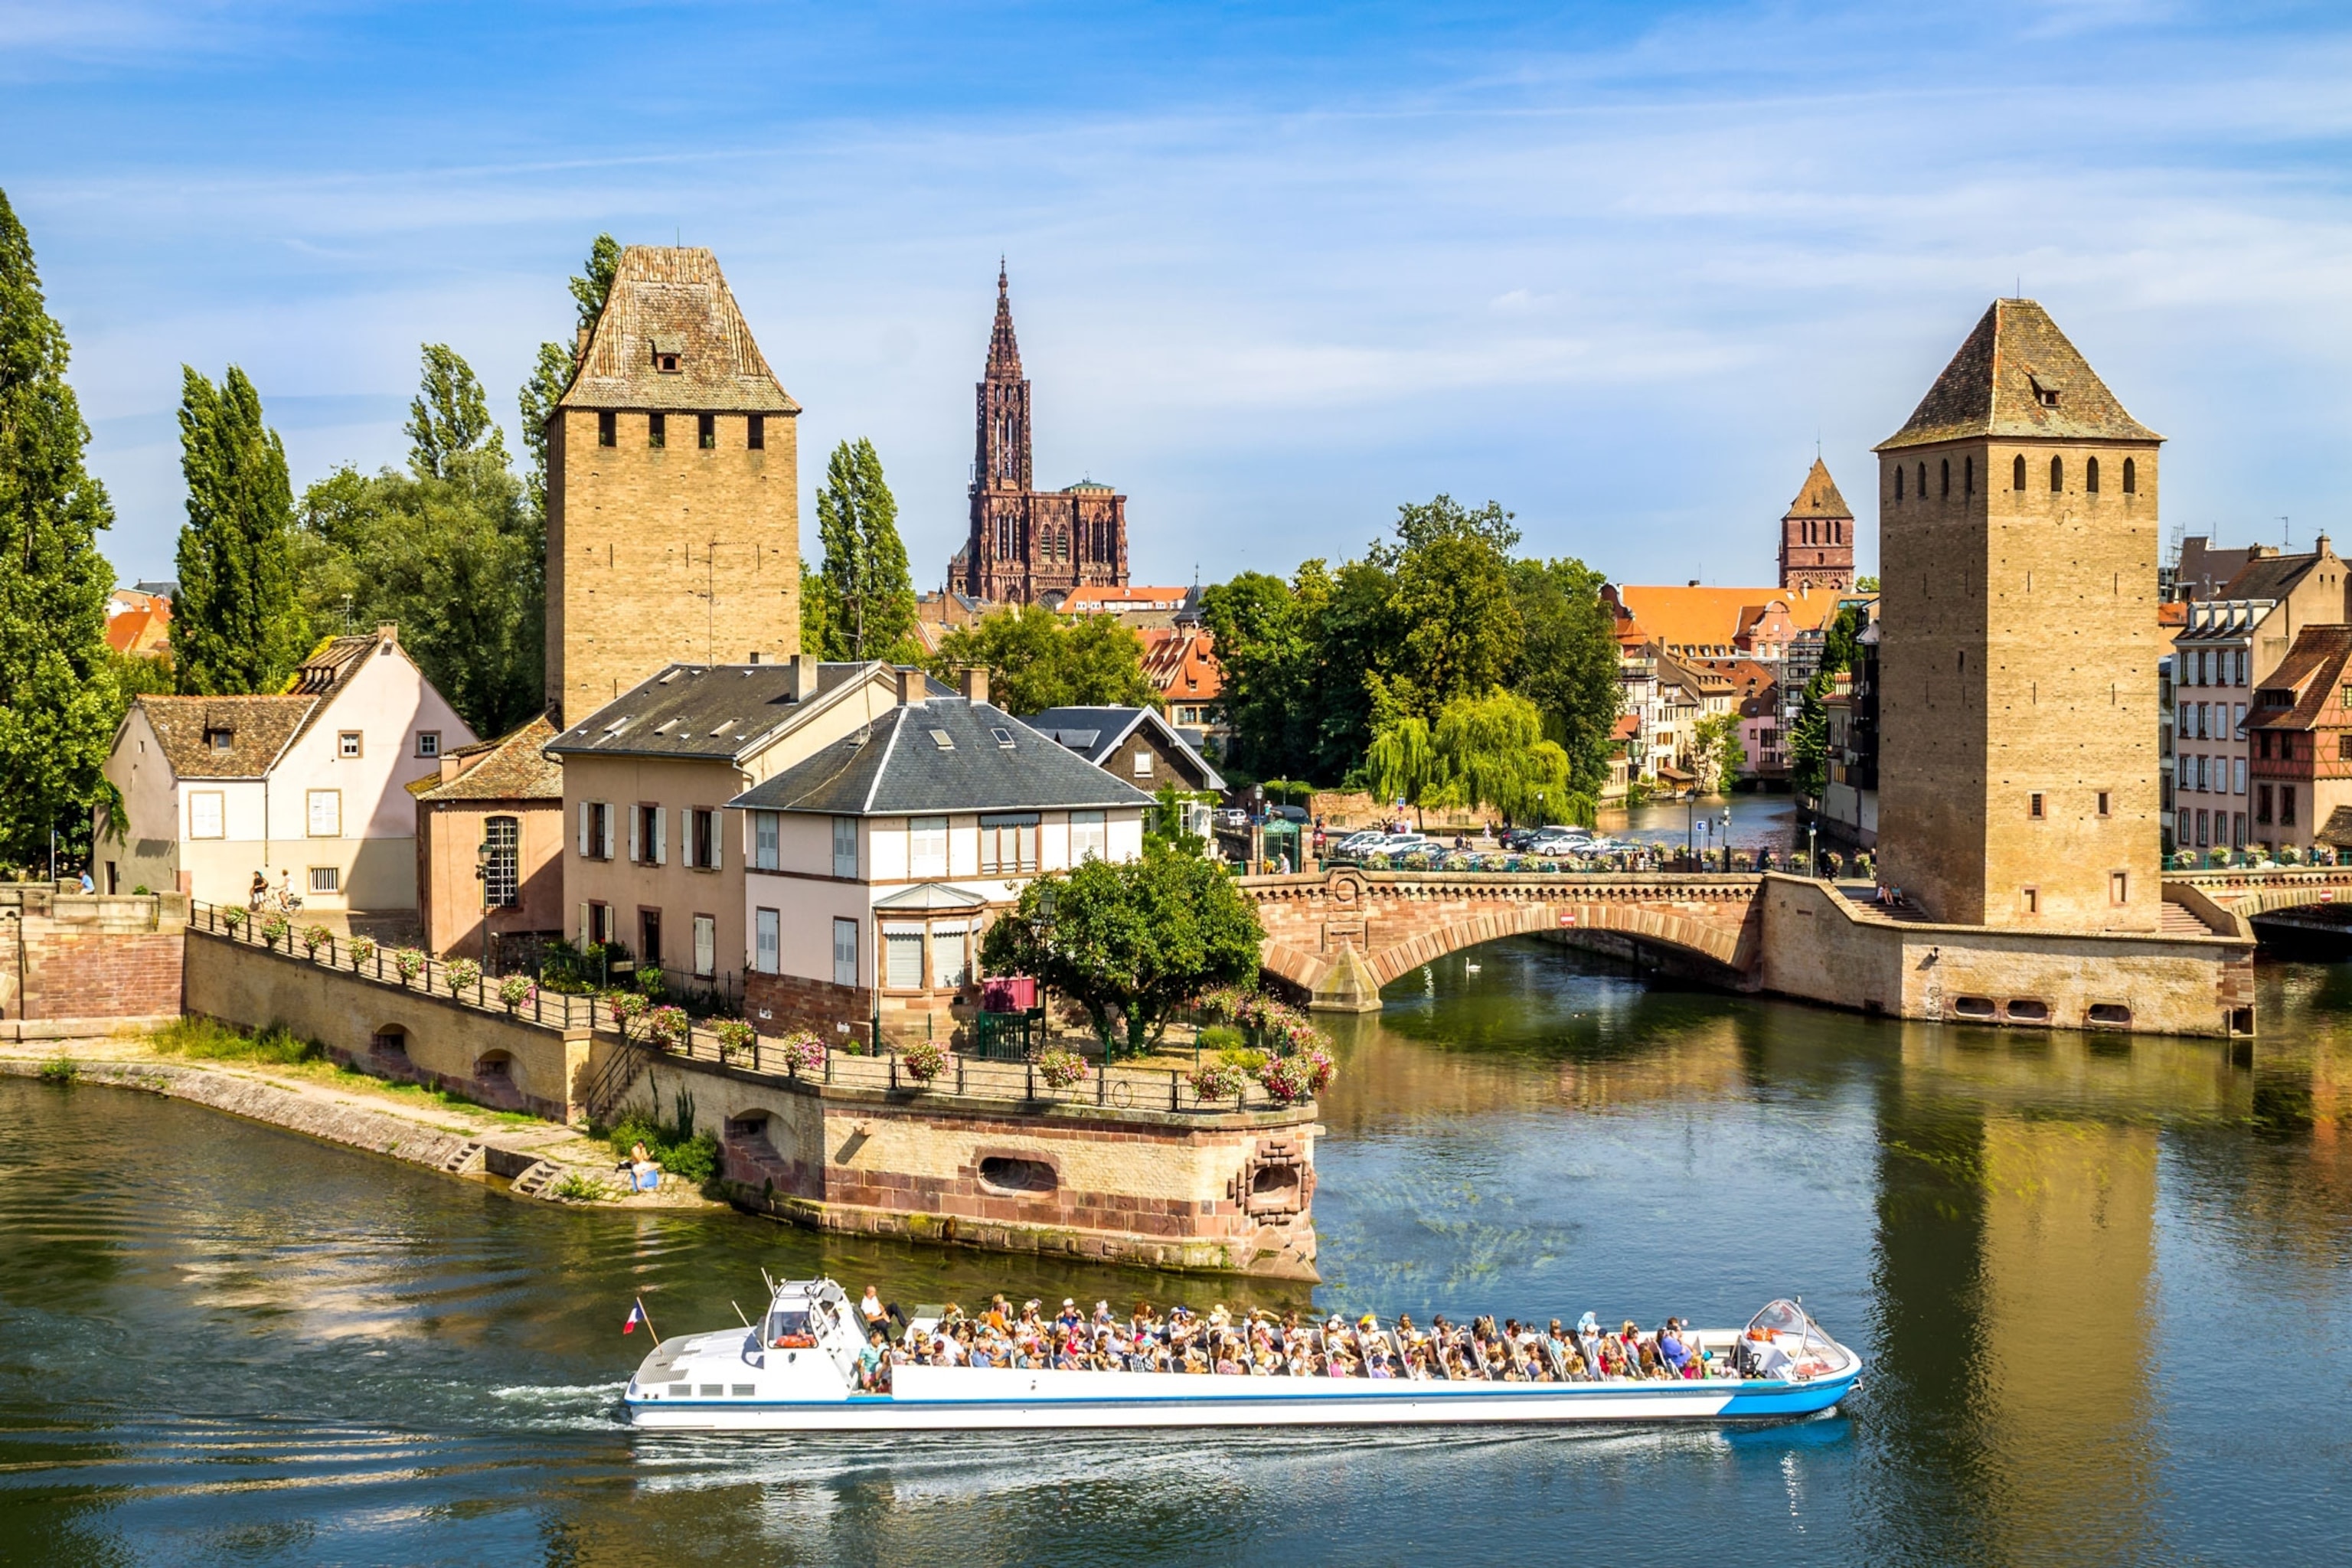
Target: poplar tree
{"type": "Point", "coordinates": [238, 626]}
{"type": "Point", "coordinates": [57, 707]}
{"type": "Point", "coordinates": [863, 596]}
{"type": "Point", "coordinates": [450, 418]}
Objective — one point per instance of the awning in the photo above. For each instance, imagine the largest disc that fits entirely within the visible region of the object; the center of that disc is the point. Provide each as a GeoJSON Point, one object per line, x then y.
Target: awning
{"type": "Point", "coordinates": [929, 896]}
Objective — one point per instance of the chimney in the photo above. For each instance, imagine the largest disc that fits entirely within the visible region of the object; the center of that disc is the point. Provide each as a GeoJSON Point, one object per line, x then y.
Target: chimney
{"type": "Point", "coordinates": [911, 689]}
{"type": "Point", "coordinates": [2321, 548]}
{"type": "Point", "coordinates": [803, 676]}
{"type": "Point", "coordinates": [579, 346]}
{"type": "Point", "coordinates": [972, 679]}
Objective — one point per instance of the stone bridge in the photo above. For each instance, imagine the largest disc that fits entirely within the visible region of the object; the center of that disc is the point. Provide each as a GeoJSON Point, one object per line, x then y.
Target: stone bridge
{"type": "Point", "coordinates": [2247, 893]}
{"type": "Point", "coordinates": [1341, 936]}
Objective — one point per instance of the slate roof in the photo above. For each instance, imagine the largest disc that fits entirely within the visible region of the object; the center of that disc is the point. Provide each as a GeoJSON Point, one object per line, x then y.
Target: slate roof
{"type": "Point", "coordinates": [716, 712]}
{"type": "Point", "coordinates": [260, 728]}
{"type": "Point", "coordinates": [674, 298]}
{"type": "Point", "coordinates": [896, 767]}
{"type": "Point", "coordinates": [1993, 387]}
{"type": "Point", "coordinates": [512, 767]}
{"type": "Point", "coordinates": [1818, 497]}
{"type": "Point", "coordinates": [2271, 576]}
{"type": "Point", "coordinates": [1096, 732]}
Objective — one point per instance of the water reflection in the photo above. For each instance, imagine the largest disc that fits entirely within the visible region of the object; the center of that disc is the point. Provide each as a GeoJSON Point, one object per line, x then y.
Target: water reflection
{"type": "Point", "coordinates": [2063, 1253]}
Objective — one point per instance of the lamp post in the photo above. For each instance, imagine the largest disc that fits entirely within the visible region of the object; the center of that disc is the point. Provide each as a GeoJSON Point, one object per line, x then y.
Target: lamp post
{"type": "Point", "coordinates": [482, 875]}
{"type": "Point", "coordinates": [1726, 838]}
{"type": "Point", "coordinates": [1812, 868]}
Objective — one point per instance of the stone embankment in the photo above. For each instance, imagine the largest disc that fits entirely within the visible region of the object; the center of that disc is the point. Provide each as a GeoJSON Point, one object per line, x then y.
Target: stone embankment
{"type": "Point", "coordinates": [537, 1156]}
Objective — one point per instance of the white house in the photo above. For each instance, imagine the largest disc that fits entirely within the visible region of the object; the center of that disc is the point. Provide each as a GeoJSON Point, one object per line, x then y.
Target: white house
{"type": "Point", "coordinates": [875, 864]}
{"type": "Point", "coordinates": [307, 786]}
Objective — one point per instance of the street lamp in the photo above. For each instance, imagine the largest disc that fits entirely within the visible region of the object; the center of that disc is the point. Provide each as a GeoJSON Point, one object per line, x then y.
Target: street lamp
{"type": "Point", "coordinates": [1812, 867]}
{"type": "Point", "coordinates": [1726, 838]}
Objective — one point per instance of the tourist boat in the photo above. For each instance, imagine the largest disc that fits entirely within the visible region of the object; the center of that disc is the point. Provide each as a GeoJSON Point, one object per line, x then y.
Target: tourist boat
{"type": "Point", "coordinates": [797, 1371]}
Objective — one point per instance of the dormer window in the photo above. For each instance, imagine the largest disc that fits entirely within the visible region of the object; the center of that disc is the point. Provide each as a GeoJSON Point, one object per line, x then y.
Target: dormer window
{"type": "Point", "coordinates": [2045, 392]}
{"type": "Point", "coordinates": [668, 350]}
{"type": "Point", "coordinates": [942, 739]}
{"type": "Point", "coordinates": [220, 739]}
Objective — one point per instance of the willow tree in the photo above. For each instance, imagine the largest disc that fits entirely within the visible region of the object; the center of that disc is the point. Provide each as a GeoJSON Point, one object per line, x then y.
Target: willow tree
{"type": "Point", "coordinates": [57, 707]}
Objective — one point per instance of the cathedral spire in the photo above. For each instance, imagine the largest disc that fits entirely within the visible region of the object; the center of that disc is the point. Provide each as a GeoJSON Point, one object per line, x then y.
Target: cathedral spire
{"type": "Point", "coordinates": [1004, 352]}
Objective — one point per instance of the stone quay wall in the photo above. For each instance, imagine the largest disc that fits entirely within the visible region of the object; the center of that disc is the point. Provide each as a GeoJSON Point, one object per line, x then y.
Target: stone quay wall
{"type": "Point", "coordinates": [69, 958]}
{"type": "Point", "coordinates": [390, 1030]}
{"type": "Point", "coordinates": [1227, 1192]}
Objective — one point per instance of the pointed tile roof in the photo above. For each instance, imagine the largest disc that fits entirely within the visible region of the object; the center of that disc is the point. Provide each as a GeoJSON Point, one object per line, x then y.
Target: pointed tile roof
{"type": "Point", "coordinates": [1004, 348]}
{"type": "Point", "coordinates": [2017, 375]}
{"type": "Point", "coordinates": [512, 767]}
{"type": "Point", "coordinates": [1818, 497]}
{"type": "Point", "coordinates": [669, 304]}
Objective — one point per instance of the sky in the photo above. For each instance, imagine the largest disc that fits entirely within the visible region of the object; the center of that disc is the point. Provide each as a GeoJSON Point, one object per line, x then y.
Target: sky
{"type": "Point", "coordinates": [1277, 267]}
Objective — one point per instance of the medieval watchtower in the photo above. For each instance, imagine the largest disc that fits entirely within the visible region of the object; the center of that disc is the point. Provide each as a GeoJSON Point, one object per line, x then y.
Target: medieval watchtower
{"type": "Point", "coordinates": [673, 488]}
{"type": "Point", "coordinates": [2017, 666]}
{"type": "Point", "coordinates": [1817, 536]}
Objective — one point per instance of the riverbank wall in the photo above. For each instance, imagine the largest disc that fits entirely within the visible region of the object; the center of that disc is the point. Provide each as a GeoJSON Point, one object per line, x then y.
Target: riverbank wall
{"type": "Point", "coordinates": [74, 963]}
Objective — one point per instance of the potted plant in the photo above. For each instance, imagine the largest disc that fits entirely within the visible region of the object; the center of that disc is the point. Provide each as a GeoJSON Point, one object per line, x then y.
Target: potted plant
{"type": "Point", "coordinates": [667, 1026]}
{"type": "Point", "coordinates": [313, 939]}
{"type": "Point", "coordinates": [1284, 1078]}
{"type": "Point", "coordinates": [407, 962]}
{"type": "Point", "coordinates": [626, 1008]}
{"type": "Point", "coordinates": [803, 1051]}
{"type": "Point", "coordinates": [1217, 1080]}
{"type": "Point", "coordinates": [1061, 1070]}
{"type": "Point", "coordinates": [461, 974]}
{"type": "Point", "coordinates": [362, 949]}
{"type": "Point", "coordinates": [518, 992]}
{"type": "Point", "coordinates": [274, 931]}
{"type": "Point", "coordinates": [233, 919]}
{"type": "Point", "coordinates": [924, 1060]}
{"type": "Point", "coordinates": [734, 1038]}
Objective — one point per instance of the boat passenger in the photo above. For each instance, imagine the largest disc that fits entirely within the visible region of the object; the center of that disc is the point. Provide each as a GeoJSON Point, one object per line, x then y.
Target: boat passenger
{"type": "Point", "coordinates": [1671, 1349]}
{"type": "Point", "coordinates": [870, 1308]}
{"type": "Point", "coordinates": [1070, 1317]}
{"type": "Point", "coordinates": [871, 1357]}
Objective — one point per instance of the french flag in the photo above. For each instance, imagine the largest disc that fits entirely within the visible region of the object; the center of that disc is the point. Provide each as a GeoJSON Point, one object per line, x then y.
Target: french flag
{"type": "Point", "coordinates": [636, 1316]}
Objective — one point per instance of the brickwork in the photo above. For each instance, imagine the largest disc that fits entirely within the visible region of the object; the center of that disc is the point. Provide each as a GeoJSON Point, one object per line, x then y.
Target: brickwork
{"type": "Point", "coordinates": [70, 955]}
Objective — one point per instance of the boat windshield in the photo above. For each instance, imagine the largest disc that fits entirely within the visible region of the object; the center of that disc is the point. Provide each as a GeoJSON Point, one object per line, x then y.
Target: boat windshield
{"type": "Point", "coordinates": [1780, 1318]}
{"type": "Point", "coordinates": [788, 1326]}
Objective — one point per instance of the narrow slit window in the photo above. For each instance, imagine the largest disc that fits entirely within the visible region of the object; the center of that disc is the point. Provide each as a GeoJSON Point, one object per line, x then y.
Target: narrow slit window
{"type": "Point", "coordinates": [656, 430]}
{"type": "Point", "coordinates": [706, 432]}
{"type": "Point", "coordinates": [2017, 474]}
{"type": "Point", "coordinates": [2131, 477]}
{"type": "Point", "coordinates": [607, 429]}
{"type": "Point", "coordinates": [755, 432]}
{"type": "Point", "coordinates": [2057, 475]}
{"type": "Point", "coordinates": [2033, 806]}
{"type": "Point", "coordinates": [2091, 476]}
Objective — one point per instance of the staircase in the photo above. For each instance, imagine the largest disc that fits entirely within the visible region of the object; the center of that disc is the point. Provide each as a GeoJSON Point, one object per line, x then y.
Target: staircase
{"type": "Point", "coordinates": [464, 1159]}
{"type": "Point", "coordinates": [621, 1070]}
{"type": "Point", "coordinates": [533, 1182]}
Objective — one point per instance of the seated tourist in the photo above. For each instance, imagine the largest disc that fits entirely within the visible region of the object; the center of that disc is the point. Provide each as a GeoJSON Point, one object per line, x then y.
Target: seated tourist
{"type": "Point", "coordinates": [1671, 1348]}
{"type": "Point", "coordinates": [1070, 1317]}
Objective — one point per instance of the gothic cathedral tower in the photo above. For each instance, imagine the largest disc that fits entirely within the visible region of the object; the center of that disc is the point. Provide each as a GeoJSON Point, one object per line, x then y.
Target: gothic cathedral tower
{"type": "Point", "coordinates": [2017, 666]}
{"type": "Point", "coordinates": [1817, 537]}
{"type": "Point", "coordinates": [673, 490]}
{"type": "Point", "coordinates": [1028, 546]}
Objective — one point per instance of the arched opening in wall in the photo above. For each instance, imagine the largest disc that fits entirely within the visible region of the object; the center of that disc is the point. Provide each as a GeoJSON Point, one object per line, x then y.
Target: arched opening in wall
{"type": "Point", "coordinates": [1968, 472]}
{"type": "Point", "coordinates": [2057, 475]}
{"type": "Point", "coordinates": [1012, 1176]}
{"type": "Point", "coordinates": [1898, 480]}
{"type": "Point", "coordinates": [495, 1068]}
{"type": "Point", "coordinates": [751, 1132]}
{"type": "Point", "coordinates": [1944, 477]}
{"type": "Point", "coordinates": [1923, 481]}
{"type": "Point", "coordinates": [2028, 1010]}
{"type": "Point", "coordinates": [1274, 1186]}
{"type": "Point", "coordinates": [2091, 476]}
{"type": "Point", "coordinates": [1974, 1007]}
{"type": "Point", "coordinates": [2017, 473]}
{"type": "Point", "coordinates": [2109, 1015]}
{"type": "Point", "coordinates": [2131, 478]}
{"type": "Point", "coordinates": [389, 1041]}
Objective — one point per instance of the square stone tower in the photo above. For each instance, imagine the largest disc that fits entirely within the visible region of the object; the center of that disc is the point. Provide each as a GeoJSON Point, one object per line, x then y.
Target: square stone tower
{"type": "Point", "coordinates": [2019, 643]}
{"type": "Point", "coordinates": [673, 490]}
{"type": "Point", "coordinates": [1817, 536]}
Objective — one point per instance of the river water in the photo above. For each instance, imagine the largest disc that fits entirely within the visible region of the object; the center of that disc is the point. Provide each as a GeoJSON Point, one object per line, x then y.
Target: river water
{"type": "Point", "coordinates": [2103, 1284]}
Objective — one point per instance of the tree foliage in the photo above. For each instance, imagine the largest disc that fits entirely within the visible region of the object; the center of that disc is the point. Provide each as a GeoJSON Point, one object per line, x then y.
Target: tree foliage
{"type": "Point", "coordinates": [1315, 667]}
{"type": "Point", "coordinates": [1809, 736]}
{"type": "Point", "coordinates": [1036, 660]}
{"type": "Point", "coordinates": [861, 603]}
{"type": "Point", "coordinates": [58, 706]}
{"type": "Point", "coordinates": [1130, 941]}
{"type": "Point", "coordinates": [1716, 748]}
{"type": "Point", "coordinates": [237, 625]}
{"type": "Point", "coordinates": [452, 551]}
{"type": "Point", "coordinates": [1486, 750]}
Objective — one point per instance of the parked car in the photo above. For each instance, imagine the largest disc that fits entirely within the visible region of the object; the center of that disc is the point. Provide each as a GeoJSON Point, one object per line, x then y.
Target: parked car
{"type": "Point", "coordinates": [1285, 814]}
{"type": "Point", "coordinates": [1229, 817]}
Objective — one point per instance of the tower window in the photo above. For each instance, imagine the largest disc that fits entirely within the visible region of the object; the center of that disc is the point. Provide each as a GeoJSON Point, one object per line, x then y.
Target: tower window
{"type": "Point", "coordinates": [755, 432]}
{"type": "Point", "coordinates": [607, 429]}
{"type": "Point", "coordinates": [2119, 887]}
{"type": "Point", "coordinates": [2091, 476]}
{"type": "Point", "coordinates": [1944, 477]}
{"type": "Point", "coordinates": [2131, 478]}
{"type": "Point", "coordinates": [2017, 474]}
{"type": "Point", "coordinates": [656, 430]}
{"type": "Point", "coordinates": [705, 431]}
{"type": "Point", "coordinates": [1923, 481]}
{"type": "Point", "coordinates": [1968, 475]}
{"type": "Point", "coordinates": [2046, 396]}
{"type": "Point", "coordinates": [2057, 475]}
{"type": "Point", "coordinates": [2103, 803]}
{"type": "Point", "coordinates": [2033, 806]}
{"type": "Point", "coordinates": [1899, 481]}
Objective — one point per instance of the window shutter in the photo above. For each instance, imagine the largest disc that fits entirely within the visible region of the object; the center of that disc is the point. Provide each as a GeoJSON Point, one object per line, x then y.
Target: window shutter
{"type": "Point", "coordinates": [686, 835]}
{"type": "Point", "coordinates": [583, 840]}
{"type": "Point", "coordinates": [717, 835]}
{"type": "Point", "coordinates": [661, 844]}
{"type": "Point", "coordinates": [604, 830]}
{"type": "Point", "coordinates": [634, 852]}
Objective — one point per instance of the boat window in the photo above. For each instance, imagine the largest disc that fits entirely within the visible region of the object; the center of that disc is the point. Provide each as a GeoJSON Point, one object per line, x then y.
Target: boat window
{"type": "Point", "coordinates": [788, 1328]}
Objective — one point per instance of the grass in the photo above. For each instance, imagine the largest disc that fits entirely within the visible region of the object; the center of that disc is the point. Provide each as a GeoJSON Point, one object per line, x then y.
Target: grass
{"type": "Point", "coordinates": [209, 1040]}
{"type": "Point", "coordinates": [582, 1189]}
{"type": "Point", "coordinates": [63, 1069]}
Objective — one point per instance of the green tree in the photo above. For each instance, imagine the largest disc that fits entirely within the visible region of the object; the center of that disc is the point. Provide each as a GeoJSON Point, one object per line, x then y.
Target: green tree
{"type": "Point", "coordinates": [57, 707]}
{"type": "Point", "coordinates": [237, 625]}
{"type": "Point", "coordinates": [1568, 664]}
{"type": "Point", "coordinates": [1493, 748]}
{"type": "Point", "coordinates": [864, 595]}
{"type": "Point", "coordinates": [1163, 824]}
{"type": "Point", "coordinates": [1865, 585]}
{"type": "Point", "coordinates": [551, 372]}
{"type": "Point", "coordinates": [1716, 748]}
{"type": "Point", "coordinates": [1402, 763]}
{"type": "Point", "coordinates": [449, 420]}
{"type": "Point", "coordinates": [1038, 660]}
{"type": "Point", "coordinates": [452, 551]}
{"type": "Point", "coordinates": [1809, 736]}
{"type": "Point", "coordinates": [1130, 941]}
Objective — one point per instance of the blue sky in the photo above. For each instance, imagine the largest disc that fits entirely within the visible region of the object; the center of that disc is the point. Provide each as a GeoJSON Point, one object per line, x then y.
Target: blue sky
{"type": "Point", "coordinates": [1277, 267]}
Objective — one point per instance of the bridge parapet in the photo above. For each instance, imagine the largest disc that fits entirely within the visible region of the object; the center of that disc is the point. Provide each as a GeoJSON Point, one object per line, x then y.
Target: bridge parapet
{"type": "Point", "coordinates": [2247, 891]}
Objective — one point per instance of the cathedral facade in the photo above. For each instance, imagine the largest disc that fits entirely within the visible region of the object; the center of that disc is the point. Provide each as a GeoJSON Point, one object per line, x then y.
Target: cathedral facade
{"type": "Point", "coordinates": [1027, 545]}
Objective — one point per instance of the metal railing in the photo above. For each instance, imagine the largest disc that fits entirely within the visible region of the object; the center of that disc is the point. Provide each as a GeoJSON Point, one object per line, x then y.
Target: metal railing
{"type": "Point", "coordinates": [402, 968]}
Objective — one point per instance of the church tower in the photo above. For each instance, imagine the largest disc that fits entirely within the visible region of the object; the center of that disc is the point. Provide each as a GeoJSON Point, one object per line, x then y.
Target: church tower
{"type": "Point", "coordinates": [2017, 542]}
{"type": "Point", "coordinates": [1817, 537]}
{"type": "Point", "coordinates": [1028, 546]}
{"type": "Point", "coordinates": [673, 490]}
